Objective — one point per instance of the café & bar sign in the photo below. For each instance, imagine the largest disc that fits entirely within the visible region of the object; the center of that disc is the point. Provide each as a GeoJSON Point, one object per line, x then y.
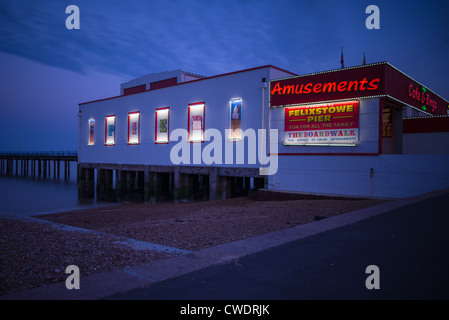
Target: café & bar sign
{"type": "Point", "coordinates": [330, 123]}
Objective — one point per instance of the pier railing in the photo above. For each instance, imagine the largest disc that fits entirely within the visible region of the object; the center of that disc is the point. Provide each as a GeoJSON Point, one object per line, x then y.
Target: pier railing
{"type": "Point", "coordinates": [47, 154]}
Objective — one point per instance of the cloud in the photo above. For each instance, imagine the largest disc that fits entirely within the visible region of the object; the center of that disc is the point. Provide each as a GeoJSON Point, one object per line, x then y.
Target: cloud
{"type": "Point", "coordinates": [212, 37]}
{"type": "Point", "coordinates": [144, 36]}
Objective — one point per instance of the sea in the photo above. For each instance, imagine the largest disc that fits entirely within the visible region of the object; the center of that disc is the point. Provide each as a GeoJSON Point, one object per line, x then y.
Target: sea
{"type": "Point", "coordinates": [28, 196]}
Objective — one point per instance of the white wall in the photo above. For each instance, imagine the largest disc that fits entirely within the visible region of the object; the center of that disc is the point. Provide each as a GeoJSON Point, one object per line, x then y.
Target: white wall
{"type": "Point", "coordinates": [215, 92]}
{"type": "Point", "coordinates": [368, 131]}
{"type": "Point", "coordinates": [394, 176]}
{"type": "Point", "coordinates": [422, 168]}
{"type": "Point", "coordinates": [426, 143]}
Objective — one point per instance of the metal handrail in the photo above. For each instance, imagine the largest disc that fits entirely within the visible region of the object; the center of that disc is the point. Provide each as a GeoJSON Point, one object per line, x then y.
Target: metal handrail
{"type": "Point", "coordinates": [40, 153]}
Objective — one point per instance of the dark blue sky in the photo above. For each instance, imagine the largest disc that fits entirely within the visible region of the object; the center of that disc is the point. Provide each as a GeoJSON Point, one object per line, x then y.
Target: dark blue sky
{"type": "Point", "coordinates": [47, 70]}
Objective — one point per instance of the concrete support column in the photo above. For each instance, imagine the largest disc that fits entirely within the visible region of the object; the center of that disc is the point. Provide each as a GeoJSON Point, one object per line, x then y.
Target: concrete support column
{"type": "Point", "coordinates": [86, 183]}
{"type": "Point", "coordinates": [100, 184]}
{"type": "Point", "coordinates": [140, 185]}
{"type": "Point", "coordinates": [187, 186]}
{"type": "Point", "coordinates": [247, 185]}
{"type": "Point", "coordinates": [108, 185]}
{"type": "Point", "coordinates": [176, 184]}
{"type": "Point", "coordinates": [259, 183]}
{"type": "Point", "coordinates": [154, 187]}
{"type": "Point", "coordinates": [119, 181]}
{"type": "Point", "coordinates": [81, 183]}
{"type": "Point", "coordinates": [90, 183]}
{"type": "Point", "coordinates": [213, 182]}
{"type": "Point", "coordinates": [238, 185]}
{"type": "Point", "coordinates": [182, 185]}
{"type": "Point", "coordinates": [130, 184]}
{"type": "Point", "coordinates": [225, 187]}
{"type": "Point", "coordinates": [146, 185]}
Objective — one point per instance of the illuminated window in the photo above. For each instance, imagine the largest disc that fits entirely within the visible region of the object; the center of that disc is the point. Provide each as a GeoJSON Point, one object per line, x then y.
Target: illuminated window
{"type": "Point", "coordinates": [196, 122]}
{"type": "Point", "coordinates": [109, 134]}
{"type": "Point", "coordinates": [162, 129]}
{"type": "Point", "coordinates": [133, 127]}
{"type": "Point", "coordinates": [91, 132]}
{"type": "Point", "coordinates": [236, 119]}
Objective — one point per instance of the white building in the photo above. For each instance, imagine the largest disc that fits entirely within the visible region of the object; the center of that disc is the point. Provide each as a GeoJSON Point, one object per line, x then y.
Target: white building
{"type": "Point", "coordinates": [122, 139]}
{"type": "Point", "coordinates": [175, 135]}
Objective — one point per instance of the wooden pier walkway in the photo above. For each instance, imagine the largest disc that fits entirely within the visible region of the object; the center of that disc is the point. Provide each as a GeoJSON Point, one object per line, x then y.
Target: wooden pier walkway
{"type": "Point", "coordinates": [37, 164]}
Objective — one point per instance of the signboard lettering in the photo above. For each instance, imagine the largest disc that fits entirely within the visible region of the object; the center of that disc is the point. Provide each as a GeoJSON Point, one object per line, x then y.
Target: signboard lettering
{"type": "Point", "coordinates": [325, 123]}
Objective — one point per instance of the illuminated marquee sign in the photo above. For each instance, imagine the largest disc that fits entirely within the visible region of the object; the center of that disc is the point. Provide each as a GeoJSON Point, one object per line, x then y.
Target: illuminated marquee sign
{"type": "Point", "coordinates": [342, 84]}
{"type": "Point", "coordinates": [373, 80]}
{"type": "Point", "coordinates": [332, 123]}
{"type": "Point", "coordinates": [424, 97]}
{"type": "Point", "coordinates": [326, 87]}
{"type": "Point", "coordinates": [414, 94]}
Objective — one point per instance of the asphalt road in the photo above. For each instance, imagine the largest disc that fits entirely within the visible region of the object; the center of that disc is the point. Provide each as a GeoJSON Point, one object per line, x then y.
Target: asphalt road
{"type": "Point", "coordinates": [409, 245]}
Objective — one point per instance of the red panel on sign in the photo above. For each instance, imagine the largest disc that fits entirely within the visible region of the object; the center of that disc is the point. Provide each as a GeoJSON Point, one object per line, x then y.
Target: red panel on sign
{"type": "Point", "coordinates": [380, 79]}
{"type": "Point", "coordinates": [335, 85]}
{"type": "Point", "coordinates": [413, 93]}
{"type": "Point", "coordinates": [342, 115]}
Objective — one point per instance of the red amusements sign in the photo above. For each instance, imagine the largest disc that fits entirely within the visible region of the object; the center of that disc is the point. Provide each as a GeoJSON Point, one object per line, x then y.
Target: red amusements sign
{"type": "Point", "coordinates": [332, 123]}
{"type": "Point", "coordinates": [335, 85]}
{"type": "Point", "coordinates": [375, 80]}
